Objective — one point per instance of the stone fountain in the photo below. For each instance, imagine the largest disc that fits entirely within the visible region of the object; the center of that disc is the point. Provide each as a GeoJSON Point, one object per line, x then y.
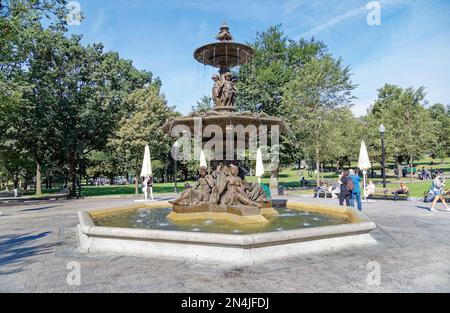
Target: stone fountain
{"type": "Point", "coordinates": [222, 218]}
{"type": "Point", "coordinates": [224, 193]}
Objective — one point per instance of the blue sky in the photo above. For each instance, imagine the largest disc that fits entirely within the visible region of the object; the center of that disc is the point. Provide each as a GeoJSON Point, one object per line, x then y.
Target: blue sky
{"type": "Point", "coordinates": [411, 47]}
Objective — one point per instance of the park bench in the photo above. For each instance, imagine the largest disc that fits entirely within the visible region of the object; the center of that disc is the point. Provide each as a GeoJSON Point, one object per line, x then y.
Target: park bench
{"type": "Point", "coordinates": [388, 194]}
{"type": "Point", "coordinates": [305, 183]}
{"type": "Point", "coordinates": [323, 194]}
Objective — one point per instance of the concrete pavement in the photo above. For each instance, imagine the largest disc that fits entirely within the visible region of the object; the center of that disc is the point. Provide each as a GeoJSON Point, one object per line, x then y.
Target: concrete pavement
{"type": "Point", "coordinates": [38, 242]}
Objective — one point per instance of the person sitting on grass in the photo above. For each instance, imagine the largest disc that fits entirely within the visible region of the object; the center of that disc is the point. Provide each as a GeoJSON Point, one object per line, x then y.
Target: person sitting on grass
{"type": "Point", "coordinates": [402, 190]}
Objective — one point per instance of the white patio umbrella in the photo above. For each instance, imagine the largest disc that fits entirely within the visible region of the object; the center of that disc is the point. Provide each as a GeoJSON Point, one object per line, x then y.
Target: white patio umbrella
{"type": "Point", "coordinates": [364, 163]}
{"type": "Point", "coordinates": [203, 162]}
{"type": "Point", "coordinates": [146, 171]}
{"type": "Point", "coordinates": [147, 163]}
{"type": "Point", "coordinates": [259, 171]}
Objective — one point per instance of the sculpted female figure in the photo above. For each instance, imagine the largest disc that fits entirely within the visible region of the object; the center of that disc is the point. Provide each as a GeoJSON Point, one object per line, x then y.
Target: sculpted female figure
{"type": "Point", "coordinates": [199, 193]}
{"type": "Point", "coordinates": [235, 190]}
{"type": "Point", "coordinates": [217, 90]}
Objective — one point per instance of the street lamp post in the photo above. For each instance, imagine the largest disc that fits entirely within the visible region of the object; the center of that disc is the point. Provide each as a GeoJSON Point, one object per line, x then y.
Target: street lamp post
{"type": "Point", "coordinates": [383, 156]}
{"type": "Point", "coordinates": [175, 165]}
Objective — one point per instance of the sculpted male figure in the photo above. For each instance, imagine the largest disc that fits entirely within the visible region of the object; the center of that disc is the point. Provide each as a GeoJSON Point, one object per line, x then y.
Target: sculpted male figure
{"type": "Point", "coordinates": [200, 192]}
{"type": "Point", "coordinates": [220, 176]}
{"type": "Point", "coordinates": [255, 192]}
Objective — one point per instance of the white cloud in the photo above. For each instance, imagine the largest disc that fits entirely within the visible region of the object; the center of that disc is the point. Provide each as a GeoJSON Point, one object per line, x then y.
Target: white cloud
{"type": "Point", "coordinates": [357, 12]}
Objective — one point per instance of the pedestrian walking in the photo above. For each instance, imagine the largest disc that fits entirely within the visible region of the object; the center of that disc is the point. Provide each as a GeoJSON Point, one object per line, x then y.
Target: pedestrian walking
{"type": "Point", "coordinates": [356, 191]}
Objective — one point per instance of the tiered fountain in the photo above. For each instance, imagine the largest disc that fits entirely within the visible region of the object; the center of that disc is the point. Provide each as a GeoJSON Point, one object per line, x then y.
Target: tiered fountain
{"type": "Point", "coordinates": [224, 194]}
{"type": "Point", "coordinates": [222, 218]}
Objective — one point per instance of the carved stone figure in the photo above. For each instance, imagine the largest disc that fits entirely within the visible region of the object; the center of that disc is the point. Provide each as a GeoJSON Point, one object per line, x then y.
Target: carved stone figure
{"type": "Point", "coordinates": [217, 90]}
{"type": "Point", "coordinates": [224, 34]}
{"type": "Point", "coordinates": [229, 91]}
{"type": "Point", "coordinates": [255, 192]}
{"type": "Point", "coordinates": [235, 190]}
{"type": "Point", "coordinates": [199, 193]}
{"type": "Point", "coordinates": [220, 179]}
{"type": "Point", "coordinates": [235, 91]}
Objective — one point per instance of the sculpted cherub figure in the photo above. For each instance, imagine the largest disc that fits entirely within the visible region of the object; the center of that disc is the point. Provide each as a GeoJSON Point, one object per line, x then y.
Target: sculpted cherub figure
{"type": "Point", "coordinates": [224, 34]}
{"type": "Point", "coordinates": [228, 92]}
{"type": "Point", "coordinates": [217, 89]}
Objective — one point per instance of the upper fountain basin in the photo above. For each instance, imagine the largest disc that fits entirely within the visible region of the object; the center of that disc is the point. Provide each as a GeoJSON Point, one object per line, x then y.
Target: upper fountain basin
{"type": "Point", "coordinates": [225, 54]}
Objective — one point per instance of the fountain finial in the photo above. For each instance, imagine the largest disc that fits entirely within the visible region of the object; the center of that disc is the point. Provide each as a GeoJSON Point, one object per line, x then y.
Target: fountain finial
{"type": "Point", "coordinates": [224, 33]}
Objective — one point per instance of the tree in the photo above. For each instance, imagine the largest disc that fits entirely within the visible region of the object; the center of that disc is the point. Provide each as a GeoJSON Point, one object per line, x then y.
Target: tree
{"type": "Point", "coordinates": [149, 111]}
{"type": "Point", "coordinates": [311, 101]}
{"type": "Point", "coordinates": [441, 116]}
{"type": "Point", "coordinates": [20, 25]}
{"type": "Point", "coordinates": [261, 82]}
{"type": "Point", "coordinates": [203, 105]}
{"type": "Point", "coordinates": [410, 130]}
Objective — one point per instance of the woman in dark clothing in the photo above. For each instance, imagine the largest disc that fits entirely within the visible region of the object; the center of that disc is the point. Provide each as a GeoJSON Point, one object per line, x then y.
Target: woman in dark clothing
{"type": "Point", "coordinates": [345, 194]}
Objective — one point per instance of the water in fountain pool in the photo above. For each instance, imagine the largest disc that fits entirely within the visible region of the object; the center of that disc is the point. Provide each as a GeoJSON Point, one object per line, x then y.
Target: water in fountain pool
{"type": "Point", "coordinates": [157, 219]}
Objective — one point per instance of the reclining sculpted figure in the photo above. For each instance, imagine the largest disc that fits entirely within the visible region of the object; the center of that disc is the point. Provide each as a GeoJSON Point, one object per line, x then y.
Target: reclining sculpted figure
{"type": "Point", "coordinates": [199, 193]}
{"type": "Point", "coordinates": [235, 190]}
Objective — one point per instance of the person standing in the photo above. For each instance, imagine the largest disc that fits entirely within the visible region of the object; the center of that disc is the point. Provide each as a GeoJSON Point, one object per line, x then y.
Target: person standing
{"type": "Point", "coordinates": [345, 193]}
{"type": "Point", "coordinates": [438, 189]}
{"type": "Point", "coordinates": [356, 191]}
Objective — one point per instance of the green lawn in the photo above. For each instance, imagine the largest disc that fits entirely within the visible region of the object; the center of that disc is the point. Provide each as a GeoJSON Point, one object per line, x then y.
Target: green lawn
{"type": "Point", "coordinates": [288, 179]}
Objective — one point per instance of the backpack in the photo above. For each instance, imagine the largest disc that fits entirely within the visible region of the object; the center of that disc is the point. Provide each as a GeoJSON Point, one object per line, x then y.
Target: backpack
{"type": "Point", "coordinates": [350, 184]}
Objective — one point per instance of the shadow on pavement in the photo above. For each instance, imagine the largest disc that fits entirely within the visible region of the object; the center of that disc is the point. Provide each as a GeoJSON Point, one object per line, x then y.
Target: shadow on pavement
{"type": "Point", "coordinates": [39, 209]}
{"type": "Point", "coordinates": [16, 251]}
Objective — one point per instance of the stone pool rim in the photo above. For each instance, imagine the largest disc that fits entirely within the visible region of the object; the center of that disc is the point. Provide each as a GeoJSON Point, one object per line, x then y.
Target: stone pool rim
{"type": "Point", "coordinates": [217, 247]}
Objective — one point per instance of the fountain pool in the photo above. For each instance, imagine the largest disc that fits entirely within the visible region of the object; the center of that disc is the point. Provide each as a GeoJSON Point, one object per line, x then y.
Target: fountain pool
{"type": "Point", "coordinates": [299, 228]}
{"type": "Point", "coordinates": [287, 219]}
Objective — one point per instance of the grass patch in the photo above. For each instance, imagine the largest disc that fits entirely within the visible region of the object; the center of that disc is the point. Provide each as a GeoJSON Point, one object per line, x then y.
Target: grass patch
{"type": "Point", "coordinates": [289, 179]}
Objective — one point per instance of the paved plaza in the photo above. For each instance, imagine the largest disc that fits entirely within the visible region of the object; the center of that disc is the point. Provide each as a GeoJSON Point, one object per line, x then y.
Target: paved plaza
{"type": "Point", "coordinates": [38, 241]}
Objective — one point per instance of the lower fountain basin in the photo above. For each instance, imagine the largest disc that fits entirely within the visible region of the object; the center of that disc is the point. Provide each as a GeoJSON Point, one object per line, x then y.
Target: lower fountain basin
{"type": "Point", "coordinates": [214, 241]}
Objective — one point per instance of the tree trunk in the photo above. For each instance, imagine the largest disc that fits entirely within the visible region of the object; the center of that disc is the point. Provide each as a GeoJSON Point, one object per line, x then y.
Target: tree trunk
{"type": "Point", "coordinates": [399, 169]}
{"type": "Point", "coordinates": [16, 181]}
{"type": "Point", "coordinates": [38, 180]}
{"type": "Point", "coordinates": [411, 169]}
{"type": "Point", "coordinates": [72, 180]}
{"type": "Point", "coordinates": [136, 184]}
{"type": "Point", "coordinates": [317, 166]}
